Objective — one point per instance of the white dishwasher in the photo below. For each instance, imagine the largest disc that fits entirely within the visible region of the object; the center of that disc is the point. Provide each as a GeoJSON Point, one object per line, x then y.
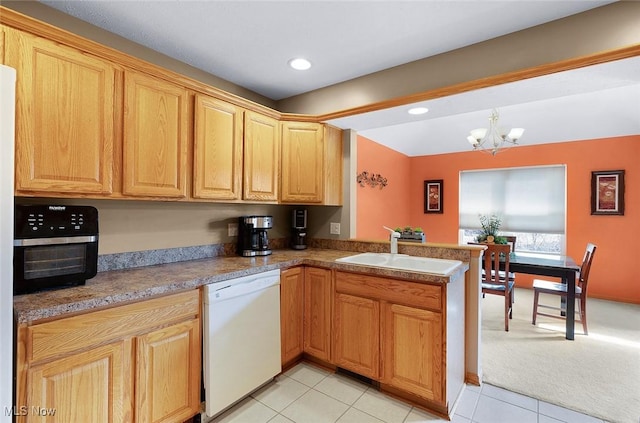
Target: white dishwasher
{"type": "Point", "coordinates": [241, 337]}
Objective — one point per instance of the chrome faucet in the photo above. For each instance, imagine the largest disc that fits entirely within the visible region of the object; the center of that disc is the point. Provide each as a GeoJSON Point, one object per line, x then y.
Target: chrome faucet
{"type": "Point", "coordinates": [394, 240]}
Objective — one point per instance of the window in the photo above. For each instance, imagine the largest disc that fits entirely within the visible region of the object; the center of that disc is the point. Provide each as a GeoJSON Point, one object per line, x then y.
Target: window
{"type": "Point", "coordinates": [531, 202]}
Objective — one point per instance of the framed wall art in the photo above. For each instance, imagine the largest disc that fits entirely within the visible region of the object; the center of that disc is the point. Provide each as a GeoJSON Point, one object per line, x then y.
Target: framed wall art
{"type": "Point", "coordinates": [433, 196]}
{"type": "Point", "coordinates": [607, 192]}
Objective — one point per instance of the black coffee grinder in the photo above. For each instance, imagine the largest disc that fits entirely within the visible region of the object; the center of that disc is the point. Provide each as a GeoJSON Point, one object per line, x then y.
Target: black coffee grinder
{"type": "Point", "coordinates": [299, 230]}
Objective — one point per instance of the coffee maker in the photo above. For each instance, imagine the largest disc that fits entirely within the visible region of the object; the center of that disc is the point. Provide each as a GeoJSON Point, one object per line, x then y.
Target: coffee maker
{"type": "Point", "coordinates": [299, 231]}
{"type": "Point", "coordinates": [252, 235]}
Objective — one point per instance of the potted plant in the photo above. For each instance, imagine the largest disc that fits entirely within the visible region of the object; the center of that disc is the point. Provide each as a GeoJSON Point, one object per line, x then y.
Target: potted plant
{"type": "Point", "coordinates": [408, 233]}
{"type": "Point", "coordinates": [490, 227]}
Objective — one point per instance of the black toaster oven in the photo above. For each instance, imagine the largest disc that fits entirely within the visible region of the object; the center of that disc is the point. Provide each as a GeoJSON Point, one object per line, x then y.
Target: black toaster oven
{"type": "Point", "coordinates": [54, 246]}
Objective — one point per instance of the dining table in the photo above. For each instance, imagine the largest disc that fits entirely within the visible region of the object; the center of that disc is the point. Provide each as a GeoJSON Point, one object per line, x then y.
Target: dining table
{"type": "Point", "coordinates": [557, 266]}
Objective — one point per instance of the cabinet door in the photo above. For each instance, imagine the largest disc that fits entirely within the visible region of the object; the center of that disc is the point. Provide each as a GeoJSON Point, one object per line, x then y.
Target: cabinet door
{"type": "Point", "coordinates": [413, 350]}
{"type": "Point", "coordinates": [261, 157]}
{"type": "Point", "coordinates": [92, 386]}
{"type": "Point", "coordinates": [332, 166]}
{"type": "Point", "coordinates": [302, 162]}
{"type": "Point", "coordinates": [156, 128]}
{"type": "Point", "coordinates": [357, 334]}
{"type": "Point", "coordinates": [317, 312]}
{"type": "Point", "coordinates": [2, 38]}
{"type": "Point", "coordinates": [217, 155]}
{"type": "Point", "coordinates": [168, 373]}
{"type": "Point", "coordinates": [291, 313]}
{"type": "Point", "coordinates": [65, 117]}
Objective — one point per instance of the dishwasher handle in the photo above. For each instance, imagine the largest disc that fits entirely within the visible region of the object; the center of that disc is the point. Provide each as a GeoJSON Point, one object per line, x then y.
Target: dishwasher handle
{"type": "Point", "coordinates": [236, 289]}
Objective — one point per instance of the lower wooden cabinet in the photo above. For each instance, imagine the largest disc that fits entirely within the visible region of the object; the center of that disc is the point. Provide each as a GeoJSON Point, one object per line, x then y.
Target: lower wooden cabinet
{"type": "Point", "coordinates": [291, 313]}
{"type": "Point", "coordinates": [391, 331]}
{"type": "Point", "coordinates": [318, 291]}
{"type": "Point", "coordinates": [412, 350]}
{"type": "Point", "coordinates": [139, 362]}
{"type": "Point", "coordinates": [408, 336]}
{"type": "Point", "coordinates": [165, 373]}
{"type": "Point", "coordinates": [357, 334]}
{"type": "Point", "coordinates": [91, 386]}
{"type": "Point", "coordinates": [305, 313]}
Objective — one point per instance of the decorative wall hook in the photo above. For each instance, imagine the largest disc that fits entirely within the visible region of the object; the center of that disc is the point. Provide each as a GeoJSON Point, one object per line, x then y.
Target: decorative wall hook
{"type": "Point", "coordinates": [371, 179]}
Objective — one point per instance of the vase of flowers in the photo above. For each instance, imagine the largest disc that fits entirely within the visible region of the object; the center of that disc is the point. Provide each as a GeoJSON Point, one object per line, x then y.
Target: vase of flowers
{"type": "Point", "coordinates": [490, 228]}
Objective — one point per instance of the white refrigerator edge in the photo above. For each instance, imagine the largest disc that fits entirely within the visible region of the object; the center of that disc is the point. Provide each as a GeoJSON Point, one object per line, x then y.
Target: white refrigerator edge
{"type": "Point", "coordinates": [7, 140]}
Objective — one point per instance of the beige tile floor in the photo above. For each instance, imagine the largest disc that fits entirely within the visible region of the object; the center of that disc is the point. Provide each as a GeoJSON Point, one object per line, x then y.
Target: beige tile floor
{"type": "Point", "coordinates": [307, 394]}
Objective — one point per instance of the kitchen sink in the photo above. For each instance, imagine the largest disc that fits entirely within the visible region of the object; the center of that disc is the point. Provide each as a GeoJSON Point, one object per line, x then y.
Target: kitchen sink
{"type": "Point", "coordinates": [403, 262]}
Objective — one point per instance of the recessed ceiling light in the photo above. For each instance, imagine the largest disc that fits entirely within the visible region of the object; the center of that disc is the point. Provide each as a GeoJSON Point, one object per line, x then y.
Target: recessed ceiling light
{"type": "Point", "coordinates": [418, 111]}
{"type": "Point", "coordinates": [300, 63]}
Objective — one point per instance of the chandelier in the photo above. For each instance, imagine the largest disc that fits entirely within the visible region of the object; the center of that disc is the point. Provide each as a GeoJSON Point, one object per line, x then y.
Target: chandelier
{"type": "Point", "coordinates": [495, 138]}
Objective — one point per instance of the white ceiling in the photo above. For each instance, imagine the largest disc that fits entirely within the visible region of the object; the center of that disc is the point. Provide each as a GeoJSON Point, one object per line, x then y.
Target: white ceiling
{"type": "Point", "coordinates": [599, 101]}
{"type": "Point", "coordinates": [250, 42]}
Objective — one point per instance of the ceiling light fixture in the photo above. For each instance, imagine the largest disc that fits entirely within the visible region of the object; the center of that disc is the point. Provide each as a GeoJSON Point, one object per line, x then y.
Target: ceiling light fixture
{"type": "Point", "coordinates": [418, 111]}
{"type": "Point", "coordinates": [300, 63]}
{"type": "Point", "coordinates": [495, 138]}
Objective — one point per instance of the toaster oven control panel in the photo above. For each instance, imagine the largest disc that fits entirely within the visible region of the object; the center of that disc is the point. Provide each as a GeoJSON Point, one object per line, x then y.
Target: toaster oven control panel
{"type": "Point", "coordinates": [43, 221]}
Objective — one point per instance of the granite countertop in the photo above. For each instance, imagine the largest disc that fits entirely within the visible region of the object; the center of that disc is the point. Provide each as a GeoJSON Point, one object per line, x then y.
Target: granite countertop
{"type": "Point", "coordinates": [121, 286]}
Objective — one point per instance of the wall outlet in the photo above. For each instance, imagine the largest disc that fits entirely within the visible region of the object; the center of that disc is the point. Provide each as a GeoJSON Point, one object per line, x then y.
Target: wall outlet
{"type": "Point", "coordinates": [334, 228]}
{"type": "Point", "coordinates": [232, 229]}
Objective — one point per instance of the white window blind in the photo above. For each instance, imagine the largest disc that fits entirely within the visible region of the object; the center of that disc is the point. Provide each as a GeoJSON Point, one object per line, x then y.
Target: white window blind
{"type": "Point", "coordinates": [529, 199]}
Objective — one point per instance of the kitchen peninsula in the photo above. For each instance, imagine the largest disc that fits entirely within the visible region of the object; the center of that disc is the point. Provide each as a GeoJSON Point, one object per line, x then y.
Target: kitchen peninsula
{"type": "Point", "coordinates": [170, 292]}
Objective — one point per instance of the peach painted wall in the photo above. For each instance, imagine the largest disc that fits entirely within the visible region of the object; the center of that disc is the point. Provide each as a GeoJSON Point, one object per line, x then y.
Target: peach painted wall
{"type": "Point", "coordinates": [388, 206]}
{"type": "Point", "coordinates": [613, 275]}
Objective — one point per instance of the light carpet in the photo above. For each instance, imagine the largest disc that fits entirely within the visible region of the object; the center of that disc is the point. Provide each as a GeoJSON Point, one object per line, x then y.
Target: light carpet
{"type": "Point", "coordinates": [598, 374]}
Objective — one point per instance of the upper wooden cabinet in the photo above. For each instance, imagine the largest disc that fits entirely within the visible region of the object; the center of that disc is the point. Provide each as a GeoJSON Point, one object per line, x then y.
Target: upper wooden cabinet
{"type": "Point", "coordinates": [156, 128]}
{"type": "Point", "coordinates": [302, 162]}
{"type": "Point", "coordinates": [332, 166]}
{"type": "Point", "coordinates": [236, 153]}
{"type": "Point", "coordinates": [2, 38]}
{"type": "Point", "coordinates": [217, 149]}
{"type": "Point", "coordinates": [65, 117]}
{"type": "Point", "coordinates": [311, 164]}
{"type": "Point", "coordinates": [261, 157]}
{"type": "Point", "coordinates": [94, 123]}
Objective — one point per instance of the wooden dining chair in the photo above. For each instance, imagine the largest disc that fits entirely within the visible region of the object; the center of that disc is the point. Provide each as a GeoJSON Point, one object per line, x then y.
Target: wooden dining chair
{"type": "Point", "coordinates": [496, 259]}
{"type": "Point", "coordinates": [559, 289]}
{"type": "Point", "coordinates": [511, 240]}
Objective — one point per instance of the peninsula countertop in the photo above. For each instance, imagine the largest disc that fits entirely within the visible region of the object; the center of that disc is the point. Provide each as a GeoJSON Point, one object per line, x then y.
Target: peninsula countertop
{"type": "Point", "coordinates": [116, 287]}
